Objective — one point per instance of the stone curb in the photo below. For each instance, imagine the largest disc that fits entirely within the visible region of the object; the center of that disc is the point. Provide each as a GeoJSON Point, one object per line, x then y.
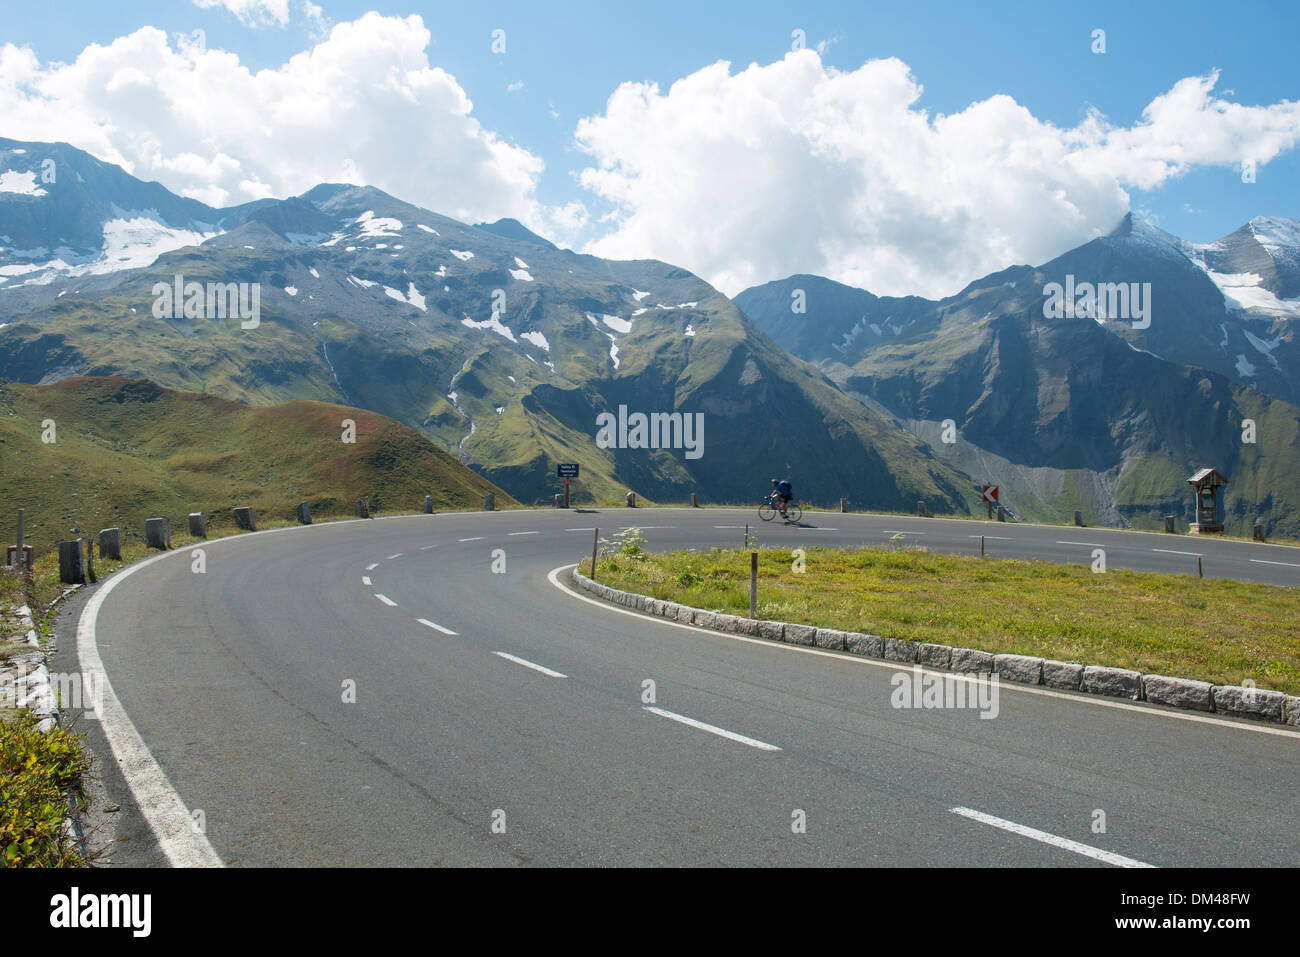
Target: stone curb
{"type": "Point", "coordinates": [1181, 693]}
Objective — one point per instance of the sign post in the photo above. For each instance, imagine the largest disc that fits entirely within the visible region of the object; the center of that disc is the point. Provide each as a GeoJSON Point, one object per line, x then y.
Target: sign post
{"type": "Point", "coordinates": [989, 493]}
{"type": "Point", "coordinates": [567, 471]}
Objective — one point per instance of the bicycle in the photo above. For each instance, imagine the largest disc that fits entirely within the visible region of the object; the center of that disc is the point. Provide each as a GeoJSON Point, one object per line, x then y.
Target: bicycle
{"type": "Point", "coordinates": [768, 511]}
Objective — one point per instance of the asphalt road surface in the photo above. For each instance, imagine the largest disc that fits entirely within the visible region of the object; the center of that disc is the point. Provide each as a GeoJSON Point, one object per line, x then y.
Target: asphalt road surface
{"type": "Point", "coordinates": [374, 693]}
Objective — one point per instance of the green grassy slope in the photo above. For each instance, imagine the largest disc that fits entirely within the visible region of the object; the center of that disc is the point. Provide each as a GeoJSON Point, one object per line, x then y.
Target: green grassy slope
{"type": "Point", "coordinates": [126, 450]}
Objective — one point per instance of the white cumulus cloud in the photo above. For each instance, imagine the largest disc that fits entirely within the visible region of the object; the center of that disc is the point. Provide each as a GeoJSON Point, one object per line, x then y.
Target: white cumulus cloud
{"type": "Point", "coordinates": [364, 106]}
{"type": "Point", "coordinates": [252, 13]}
{"type": "Point", "coordinates": [798, 167]}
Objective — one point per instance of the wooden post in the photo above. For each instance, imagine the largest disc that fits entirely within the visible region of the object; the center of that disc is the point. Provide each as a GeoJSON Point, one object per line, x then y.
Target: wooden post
{"type": "Point", "coordinates": [21, 558]}
{"type": "Point", "coordinates": [566, 493]}
{"type": "Point", "coordinates": [1199, 572]}
{"type": "Point", "coordinates": [990, 505]}
{"type": "Point", "coordinates": [753, 584]}
{"type": "Point", "coordinates": [595, 538]}
{"type": "Point", "coordinates": [981, 546]}
{"type": "Point", "coordinates": [746, 535]}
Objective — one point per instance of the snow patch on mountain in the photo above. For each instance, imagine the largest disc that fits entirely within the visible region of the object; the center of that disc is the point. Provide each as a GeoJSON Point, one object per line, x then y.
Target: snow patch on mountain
{"type": "Point", "coordinates": [614, 322]}
{"type": "Point", "coordinates": [522, 275]}
{"type": "Point", "coordinates": [21, 182]}
{"type": "Point", "coordinates": [520, 263]}
{"type": "Point", "coordinates": [314, 272]}
{"type": "Point", "coordinates": [464, 255]}
{"type": "Point", "coordinates": [1264, 348]}
{"type": "Point", "coordinates": [363, 283]}
{"type": "Point", "coordinates": [429, 229]}
{"type": "Point", "coordinates": [537, 339]}
{"type": "Point", "coordinates": [291, 290]}
{"type": "Point", "coordinates": [1244, 367]}
{"type": "Point", "coordinates": [494, 324]}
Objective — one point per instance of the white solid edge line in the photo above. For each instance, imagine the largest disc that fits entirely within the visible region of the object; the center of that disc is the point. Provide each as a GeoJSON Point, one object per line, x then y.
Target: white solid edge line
{"type": "Point", "coordinates": [435, 626]}
{"type": "Point", "coordinates": [386, 600]}
{"type": "Point", "coordinates": [1085, 544]}
{"type": "Point", "coordinates": [372, 567]}
{"type": "Point", "coordinates": [523, 533]}
{"type": "Point", "coordinates": [529, 664]}
{"type": "Point", "coordinates": [895, 531]}
{"type": "Point", "coordinates": [712, 729]}
{"type": "Point", "coordinates": [996, 538]}
{"type": "Point", "coordinates": [391, 557]}
{"type": "Point", "coordinates": [1119, 860]}
{"type": "Point", "coordinates": [1264, 561]}
{"type": "Point", "coordinates": [476, 538]}
{"type": "Point", "coordinates": [365, 579]}
{"type": "Point", "coordinates": [1100, 702]}
{"type": "Point", "coordinates": [1174, 551]}
{"type": "Point", "coordinates": [592, 529]}
{"type": "Point", "coordinates": [161, 805]}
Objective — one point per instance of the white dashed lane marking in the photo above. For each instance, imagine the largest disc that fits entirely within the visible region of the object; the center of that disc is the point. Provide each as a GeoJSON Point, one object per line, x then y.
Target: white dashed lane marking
{"type": "Point", "coordinates": [712, 729]}
{"type": "Point", "coordinates": [523, 533]}
{"type": "Point", "coordinates": [365, 579]}
{"type": "Point", "coordinates": [529, 664]}
{"type": "Point", "coordinates": [371, 567]}
{"type": "Point", "coordinates": [476, 538]}
{"type": "Point", "coordinates": [1062, 842]}
{"type": "Point", "coordinates": [435, 626]}
{"type": "Point", "coordinates": [386, 600]}
{"type": "Point", "coordinates": [391, 557]}
{"type": "Point", "coordinates": [1264, 561]}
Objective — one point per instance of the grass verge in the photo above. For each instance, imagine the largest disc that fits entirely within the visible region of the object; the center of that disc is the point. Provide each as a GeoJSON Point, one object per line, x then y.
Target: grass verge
{"type": "Point", "coordinates": [1208, 629]}
{"type": "Point", "coordinates": [37, 771]}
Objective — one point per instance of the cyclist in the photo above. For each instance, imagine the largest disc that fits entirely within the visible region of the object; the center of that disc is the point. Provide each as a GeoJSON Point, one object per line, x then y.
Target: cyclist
{"type": "Point", "coordinates": [782, 494]}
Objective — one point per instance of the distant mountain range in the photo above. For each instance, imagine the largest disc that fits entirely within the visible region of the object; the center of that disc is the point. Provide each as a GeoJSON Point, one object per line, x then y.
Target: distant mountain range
{"type": "Point", "coordinates": [1107, 405]}
{"type": "Point", "coordinates": [487, 338]}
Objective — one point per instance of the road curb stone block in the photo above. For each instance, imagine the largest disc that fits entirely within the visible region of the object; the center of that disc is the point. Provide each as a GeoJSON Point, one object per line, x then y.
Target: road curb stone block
{"type": "Point", "coordinates": [972, 660]}
{"type": "Point", "coordinates": [1022, 669]}
{"type": "Point", "coordinates": [198, 528]}
{"type": "Point", "coordinates": [724, 622]}
{"type": "Point", "coordinates": [705, 619]}
{"type": "Point", "coordinates": [1178, 692]}
{"type": "Point", "coordinates": [685, 614]}
{"type": "Point", "coordinates": [1293, 710]}
{"type": "Point", "coordinates": [158, 533]}
{"type": "Point", "coordinates": [772, 630]}
{"type": "Point", "coordinates": [747, 626]}
{"type": "Point", "coordinates": [110, 543]}
{"type": "Point", "coordinates": [1249, 702]}
{"type": "Point", "coordinates": [898, 649]}
{"type": "Point", "coordinates": [800, 634]}
{"type": "Point", "coordinates": [670, 609]}
{"type": "Point", "coordinates": [868, 646]}
{"type": "Point", "coordinates": [933, 656]}
{"type": "Point", "coordinates": [1062, 674]}
{"type": "Point", "coordinates": [1112, 682]}
{"type": "Point", "coordinates": [830, 638]}
{"type": "Point", "coordinates": [244, 518]}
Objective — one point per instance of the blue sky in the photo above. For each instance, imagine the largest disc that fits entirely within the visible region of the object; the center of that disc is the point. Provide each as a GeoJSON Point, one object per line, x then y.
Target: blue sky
{"type": "Point", "coordinates": [570, 57]}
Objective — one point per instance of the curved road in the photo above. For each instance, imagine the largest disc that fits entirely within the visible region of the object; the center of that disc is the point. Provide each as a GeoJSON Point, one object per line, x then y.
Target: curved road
{"type": "Point", "coordinates": [501, 719]}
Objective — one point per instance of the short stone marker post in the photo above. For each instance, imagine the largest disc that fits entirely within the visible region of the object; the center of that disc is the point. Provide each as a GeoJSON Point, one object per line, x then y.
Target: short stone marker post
{"type": "Point", "coordinates": [1259, 531]}
{"type": "Point", "coordinates": [844, 505]}
{"type": "Point", "coordinates": [920, 510]}
{"type": "Point", "coordinates": [1169, 522]}
{"type": "Point", "coordinates": [1002, 514]}
{"type": "Point", "coordinates": [428, 505]}
{"type": "Point", "coordinates": [244, 518]}
{"type": "Point", "coordinates": [559, 500]}
{"type": "Point", "coordinates": [72, 562]}
{"type": "Point", "coordinates": [198, 527]}
{"type": "Point", "coordinates": [1078, 518]}
{"type": "Point", "coordinates": [631, 499]}
{"type": "Point", "coordinates": [158, 533]}
{"type": "Point", "coordinates": [303, 512]}
{"type": "Point", "coordinates": [361, 510]}
{"type": "Point", "coordinates": [489, 501]}
{"type": "Point", "coordinates": [110, 543]}
{"type": "Point", "coordinates": [695, 500]}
